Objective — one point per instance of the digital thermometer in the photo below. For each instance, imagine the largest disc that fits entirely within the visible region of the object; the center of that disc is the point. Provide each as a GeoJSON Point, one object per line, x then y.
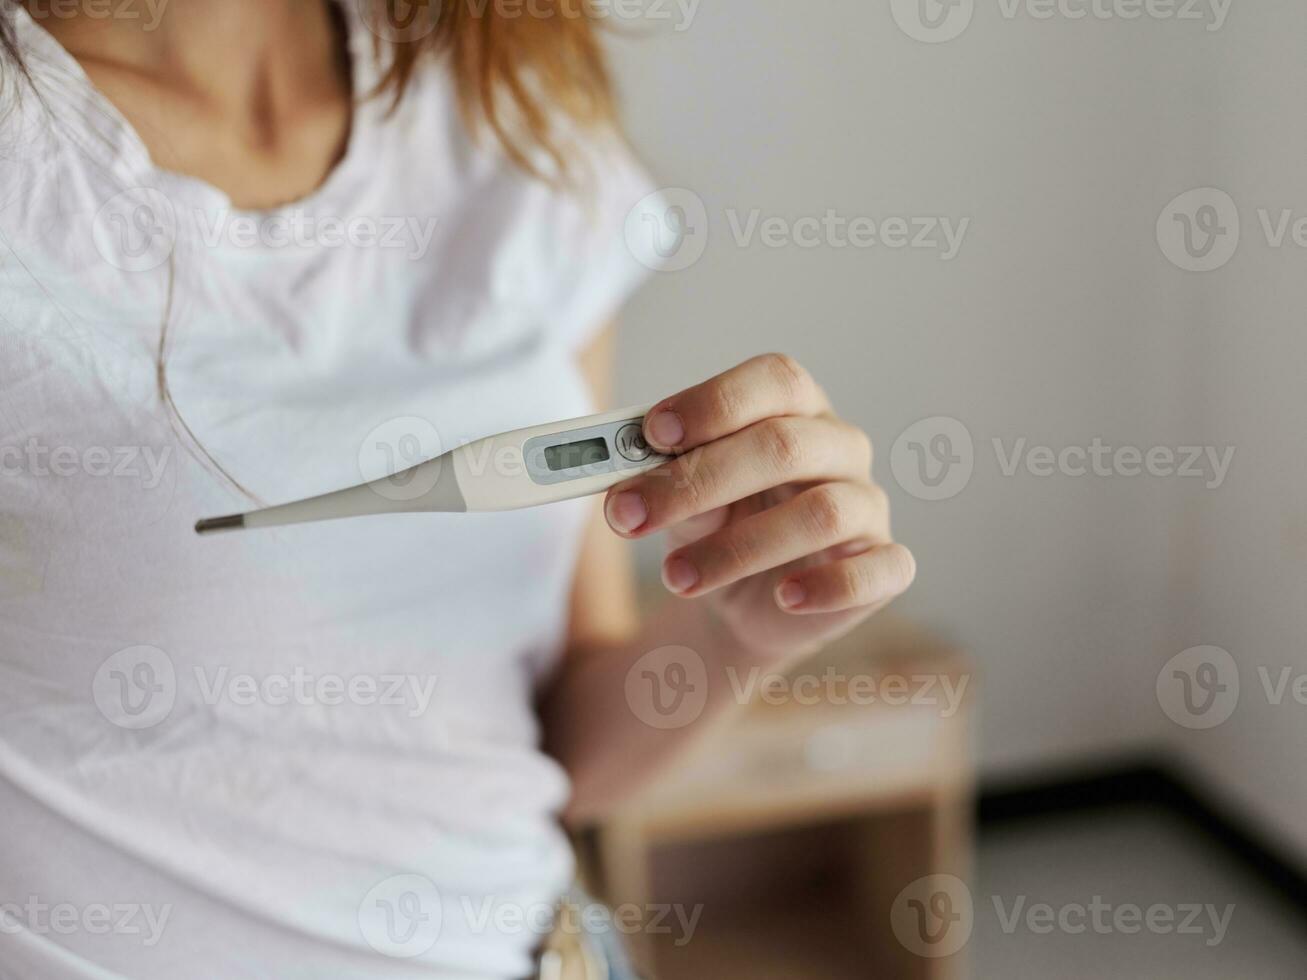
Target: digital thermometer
{"type": "Point", "coordinates": [539, 465]}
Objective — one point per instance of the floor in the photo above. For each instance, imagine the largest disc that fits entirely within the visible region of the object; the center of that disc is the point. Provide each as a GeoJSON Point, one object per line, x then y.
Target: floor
{"type": "Point", "coordinates": [1090, 873]}
{"type": "Point", "coordinates": [1137, 859]}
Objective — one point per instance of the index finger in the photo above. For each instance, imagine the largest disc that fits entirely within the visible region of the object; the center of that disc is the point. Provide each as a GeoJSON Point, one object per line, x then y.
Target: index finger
{"type": "Point", "coordinates": [763, 387]}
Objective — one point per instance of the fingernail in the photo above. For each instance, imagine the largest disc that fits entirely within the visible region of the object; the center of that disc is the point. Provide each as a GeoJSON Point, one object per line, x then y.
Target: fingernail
{"type": "Point", "coordinates": [665, 430]}
{"type": "Point", "coordinates": [627, 511]}
{"type": "Point", "coordinates": [791, 594]}
{"type": "Point", "coordinates": [679, 575]}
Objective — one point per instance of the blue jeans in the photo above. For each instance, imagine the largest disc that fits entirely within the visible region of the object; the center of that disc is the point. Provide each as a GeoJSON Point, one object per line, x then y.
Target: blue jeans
{"type": "Point", "coordinates": [606, 942]}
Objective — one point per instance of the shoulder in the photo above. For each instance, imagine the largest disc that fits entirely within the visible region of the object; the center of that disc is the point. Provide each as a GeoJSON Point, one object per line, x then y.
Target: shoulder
{"type": "Point", "coordinates": [59, 140]}
{"type": "Point", "coordinates": [556, 245]}
{"type": "Point", "coordinates": [580, 231]}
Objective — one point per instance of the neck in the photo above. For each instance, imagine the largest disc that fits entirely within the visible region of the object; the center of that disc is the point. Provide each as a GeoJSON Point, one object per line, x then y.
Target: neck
{"type": "Point", "coordinates": [230, 52]}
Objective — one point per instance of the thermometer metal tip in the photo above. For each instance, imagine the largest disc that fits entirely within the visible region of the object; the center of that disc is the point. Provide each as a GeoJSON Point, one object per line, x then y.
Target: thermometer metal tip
{"type": "Point", "coordinates": [211, 525]}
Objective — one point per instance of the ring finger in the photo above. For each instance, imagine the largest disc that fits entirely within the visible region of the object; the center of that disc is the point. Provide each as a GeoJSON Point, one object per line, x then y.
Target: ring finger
{"type": "Point", "coordinates": [868, 580]}
{"type": "Point", "coordinates": [819, 518]}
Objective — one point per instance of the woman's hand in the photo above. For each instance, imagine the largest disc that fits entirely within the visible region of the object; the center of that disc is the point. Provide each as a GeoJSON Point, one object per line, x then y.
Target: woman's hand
{"type": "Point", "coordinates": [771, 512]}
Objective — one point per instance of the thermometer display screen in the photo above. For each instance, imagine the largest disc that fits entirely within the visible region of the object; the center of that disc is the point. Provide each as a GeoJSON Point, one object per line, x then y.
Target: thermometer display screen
{"type": "Point", "coordinates": [575, 454]}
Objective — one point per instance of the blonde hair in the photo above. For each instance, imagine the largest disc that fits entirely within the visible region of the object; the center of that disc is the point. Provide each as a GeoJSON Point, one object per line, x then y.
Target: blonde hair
{"type": "Point", "coordinates": [519, 67]}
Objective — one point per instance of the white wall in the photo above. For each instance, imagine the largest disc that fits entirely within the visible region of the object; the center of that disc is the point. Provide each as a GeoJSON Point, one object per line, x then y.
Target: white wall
{"type": "Point", "coordinates": [1059, 321]}
{"type": "Point", "coordinates": [1246, 586]}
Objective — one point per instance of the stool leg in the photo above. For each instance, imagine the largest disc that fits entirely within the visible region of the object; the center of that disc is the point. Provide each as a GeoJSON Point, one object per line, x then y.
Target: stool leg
{"type": "Point", "coordinates": [892, 851]}
{"type": "Point", "coordinates": [624, 856]}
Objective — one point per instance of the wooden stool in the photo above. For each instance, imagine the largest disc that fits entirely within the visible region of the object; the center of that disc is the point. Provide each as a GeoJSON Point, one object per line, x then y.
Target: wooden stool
{"type": "Point", "coordinates": [890, 783]}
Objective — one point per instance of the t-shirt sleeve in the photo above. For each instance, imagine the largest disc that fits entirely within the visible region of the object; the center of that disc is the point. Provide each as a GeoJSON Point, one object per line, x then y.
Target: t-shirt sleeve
{"type": "Point", "coordinates": [602, 263]}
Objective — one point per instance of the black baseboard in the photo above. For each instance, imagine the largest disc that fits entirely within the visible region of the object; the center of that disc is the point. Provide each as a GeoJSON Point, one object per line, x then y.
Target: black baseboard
{"type": "Point", "coordinates": [1148, 783]}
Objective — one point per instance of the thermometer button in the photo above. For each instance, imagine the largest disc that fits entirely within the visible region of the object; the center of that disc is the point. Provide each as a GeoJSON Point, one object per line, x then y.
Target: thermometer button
{"type": "Point", "coordinates": [630, 443]}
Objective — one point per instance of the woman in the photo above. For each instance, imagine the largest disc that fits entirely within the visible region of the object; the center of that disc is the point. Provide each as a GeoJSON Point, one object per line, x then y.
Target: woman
{"type": "Point", "coordinates": [249, 248]}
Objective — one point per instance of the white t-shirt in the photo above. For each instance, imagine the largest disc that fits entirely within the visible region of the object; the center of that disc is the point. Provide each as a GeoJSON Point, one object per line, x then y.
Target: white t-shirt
{"type": "Point", "coordinates": [307, 752]}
